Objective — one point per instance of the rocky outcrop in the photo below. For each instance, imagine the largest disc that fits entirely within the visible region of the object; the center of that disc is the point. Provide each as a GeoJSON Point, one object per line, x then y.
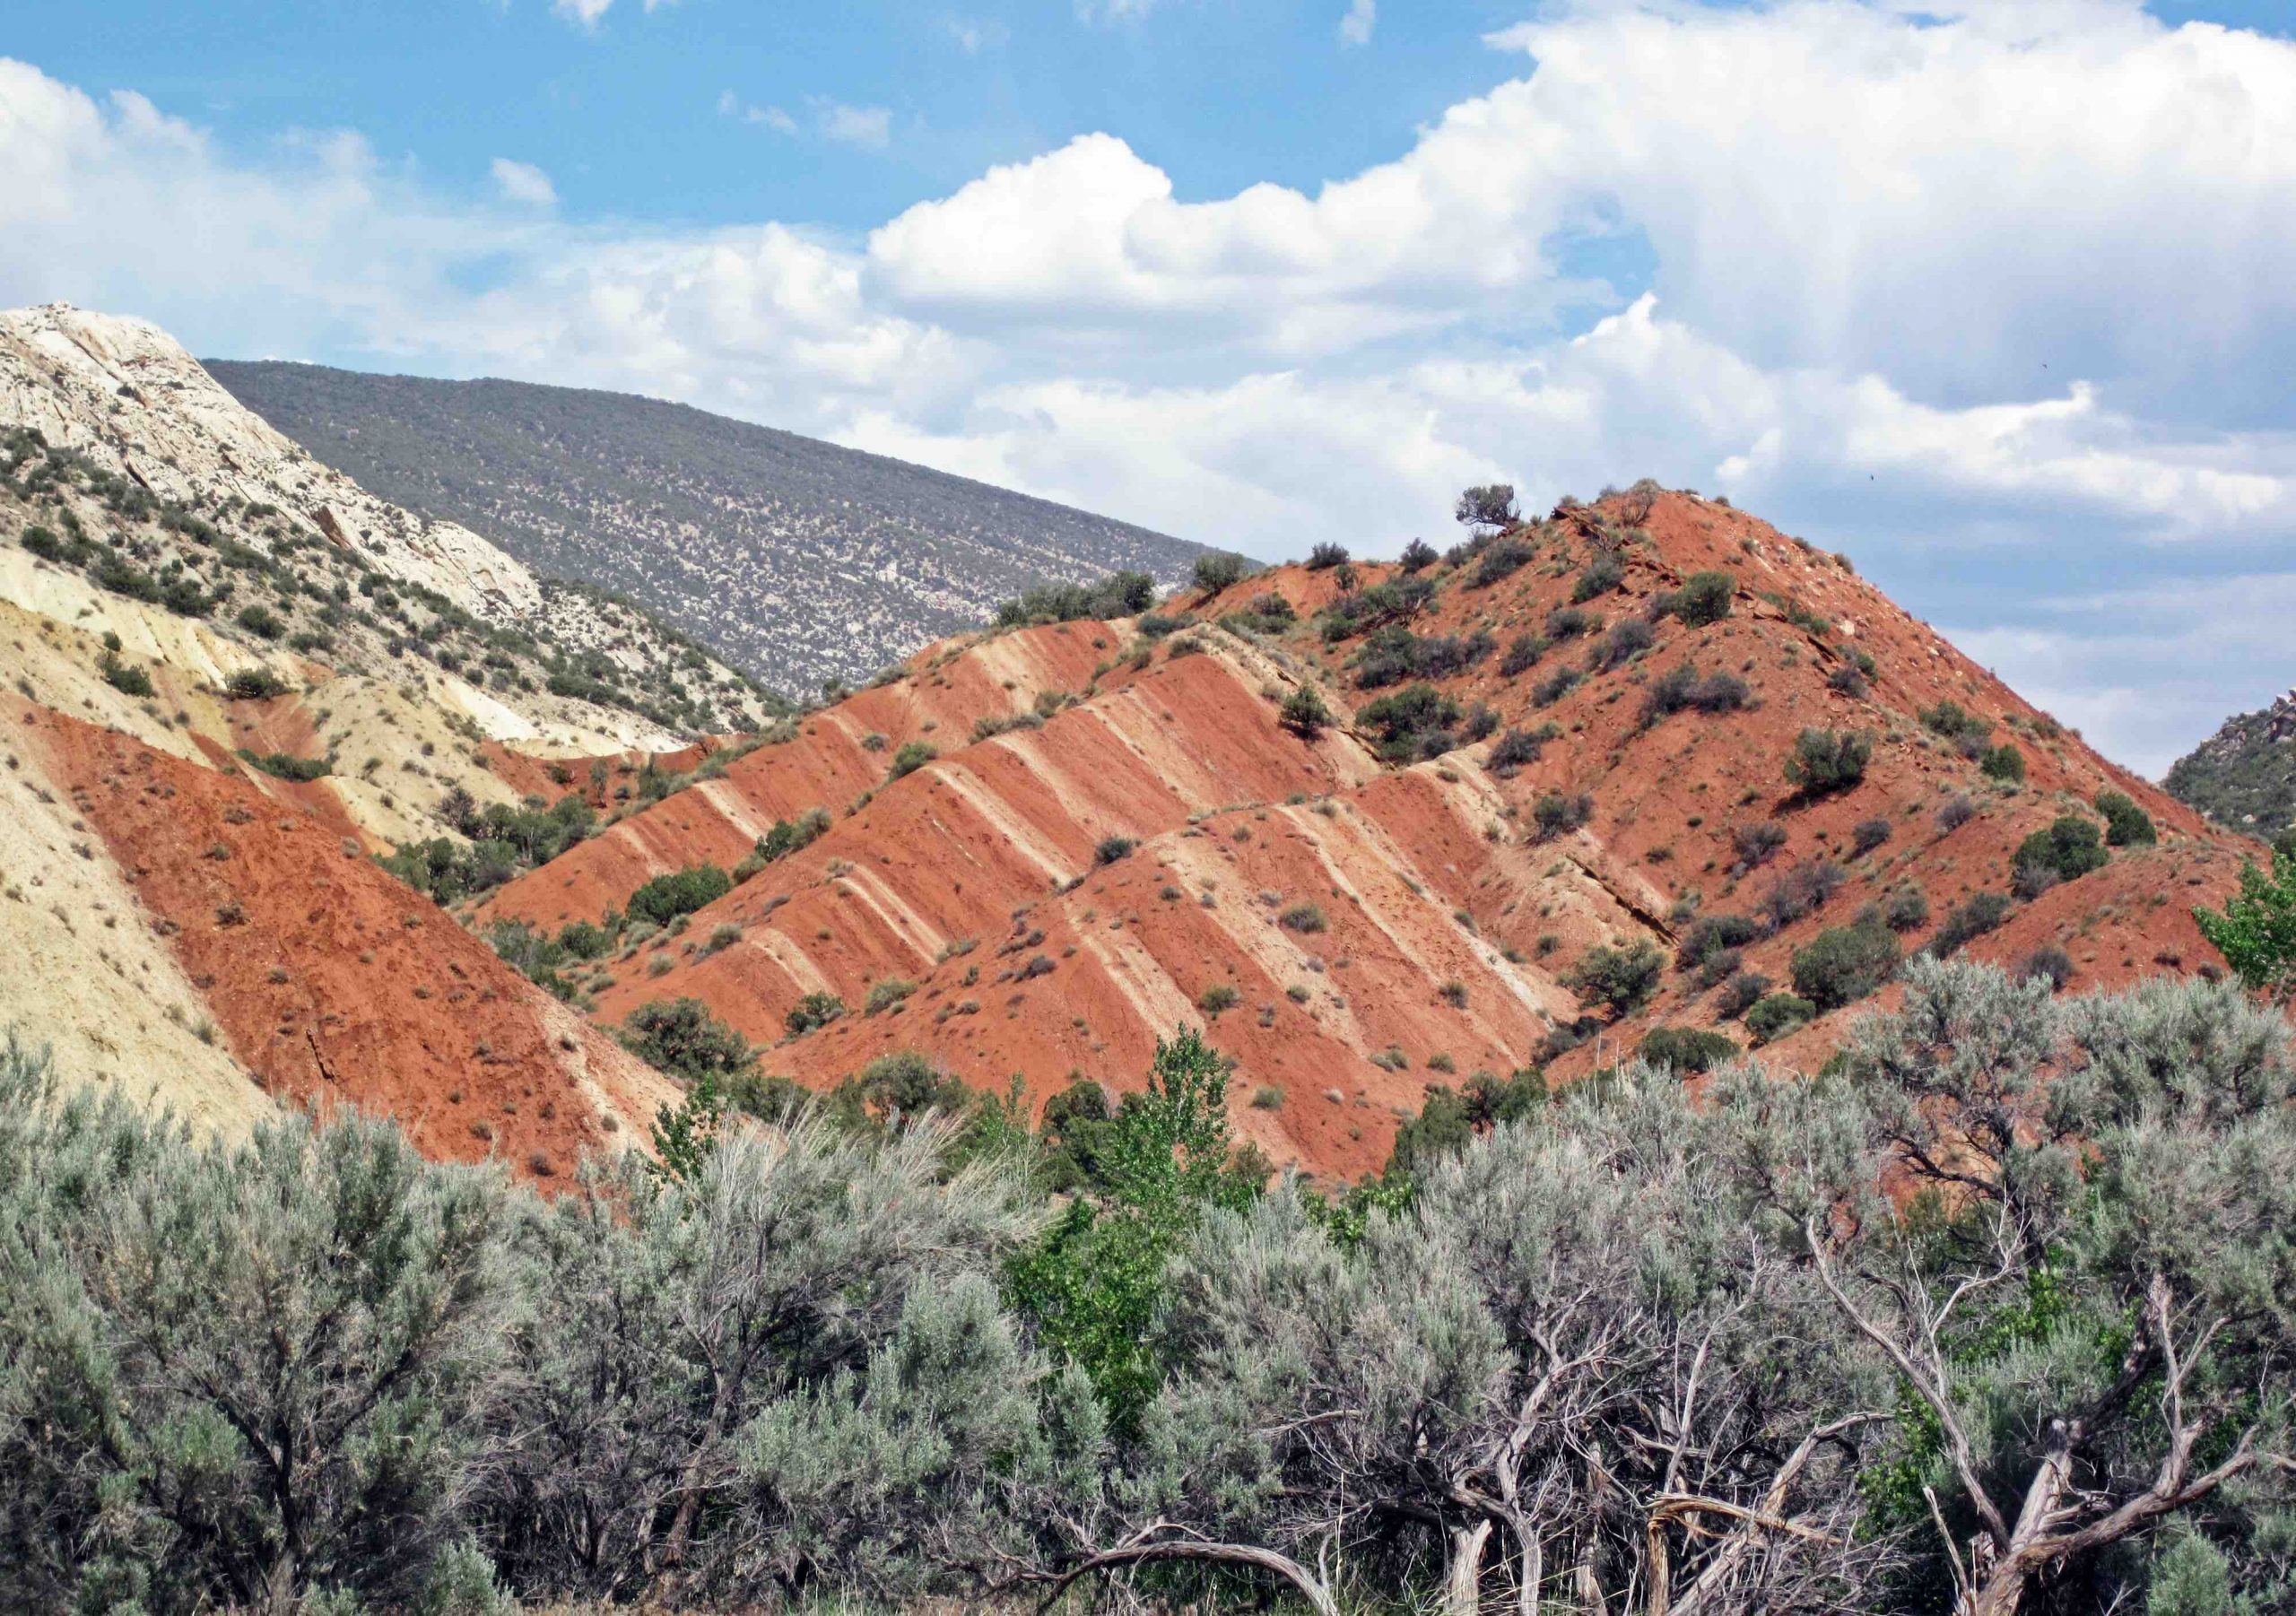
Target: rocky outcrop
{"type": "Point", "coordinates": [125, 393]}
{"type": "Point", "coordinates": [2244, 776]}
{"type": "Point", "coordinates": [124, 398]}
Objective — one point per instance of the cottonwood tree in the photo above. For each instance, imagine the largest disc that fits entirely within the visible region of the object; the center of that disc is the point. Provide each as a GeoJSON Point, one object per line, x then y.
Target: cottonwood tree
{"type": "Point", "coordinates": [1090, 1287]}
{"type": "Point", "coordinates": [2256, 930]}
{"type": "Point", "coordinates": [2089, 1299]}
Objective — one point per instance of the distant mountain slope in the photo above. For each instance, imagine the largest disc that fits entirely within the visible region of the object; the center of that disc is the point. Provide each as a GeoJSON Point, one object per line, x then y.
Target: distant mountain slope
{"type": "Point", "coordinates": [2244, 776]}
{"type": "Point", "coordinates": [802, 560]}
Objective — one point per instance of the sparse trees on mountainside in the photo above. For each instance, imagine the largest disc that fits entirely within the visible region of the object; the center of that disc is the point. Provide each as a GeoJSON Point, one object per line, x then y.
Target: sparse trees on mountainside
{"type": "Point", "coordinates": [1488, 507]}
{"type": "Point", "coordinates": [1994, 1315]}
{"type": "Point", "coordinates": [1304, 713]}
{"type": "Point", "coordinates": [1704, 598]}
{"type": "Point", "coordinates": [1119, 595]}
{"type": "Point", "coordinates": [2126, 825]}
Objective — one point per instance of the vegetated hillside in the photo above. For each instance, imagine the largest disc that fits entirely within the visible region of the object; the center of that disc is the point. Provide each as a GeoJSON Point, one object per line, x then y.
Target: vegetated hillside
{"type": "Point", "coordinates": [122, 463]}
{"type": "Point", "coordinates": [1552, 818]}
{"type": "Point", "coordinates": [2244, 776]}
{"type": "Point", "coordinates": [797, 559]}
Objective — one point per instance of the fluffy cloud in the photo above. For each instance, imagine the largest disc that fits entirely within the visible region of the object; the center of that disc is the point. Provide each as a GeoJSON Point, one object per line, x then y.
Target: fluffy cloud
{"type": "Point", "coordinates": [1355, 27]}
{"type": "Point", "coordinates": [522, 182]}
{"type": "Point", "coordinates": [1955, 206]}
{"type": "Point", "coordinates": [1991, 295]}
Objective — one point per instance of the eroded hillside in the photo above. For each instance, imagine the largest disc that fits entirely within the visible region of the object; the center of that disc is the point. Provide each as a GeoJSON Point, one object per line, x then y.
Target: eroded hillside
{"type": "Point", "coordinates": [234, 680]}
{"type": "Point", "coordinates": [310, 801]}
{"type": "Point", "coordinates": [1553, 816]}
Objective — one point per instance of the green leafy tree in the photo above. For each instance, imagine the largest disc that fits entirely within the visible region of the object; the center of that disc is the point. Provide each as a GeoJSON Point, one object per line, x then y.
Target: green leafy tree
{"type": "Point", "coordinates": [912, 756]}
{"type": "Point", "coordinates": [2068, 850]}
{"type": "Point", "coordinates": [679, 892]}
{"type": "Point", "coordinates": [1620, 980]}
{"type": "Point", "coordinates": [813, 1010]}
{"type": "Point", "coordinates": [1704, 598]}
{"type": "Point", "coordinates": [2126, 825]}
{"type": "Point", "coordinates": [1092, 1283]}
{"type": "Point", "coordinates": [682, 1038]}
{"type": "Point", "coordinates": [1487, 508]}
{"type": "Point", "coordinates": [684, 1134]}
{"type": "Point", "coordinates": [2004, 762]}
{"type": "Point", "coordinates": [1842, 964]}
{"type": "Point", "coordinates": [1219, 569]}
{"type": "Point", "coordinates": [2256, 930]}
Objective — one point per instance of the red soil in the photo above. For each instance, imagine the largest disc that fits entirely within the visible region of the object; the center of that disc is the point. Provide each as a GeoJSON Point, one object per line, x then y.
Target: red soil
{"type": "Point", "coordinates": [944, 854]}
{"type": "Point", "coordinates": [331, 982]}
{"type": "Point", "coordinates": [1428, 880]}
{"type": "Point", "coordinates": [833, 762]}
{"type": "Point", "coordinates": [1443, 923]}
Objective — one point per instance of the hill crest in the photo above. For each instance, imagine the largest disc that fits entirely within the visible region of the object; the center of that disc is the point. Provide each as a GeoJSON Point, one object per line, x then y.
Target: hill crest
{"type": "Point", "coordinates": [1129, 837]}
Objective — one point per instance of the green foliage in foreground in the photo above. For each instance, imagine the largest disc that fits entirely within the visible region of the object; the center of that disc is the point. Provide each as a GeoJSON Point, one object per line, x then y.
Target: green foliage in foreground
{"type": "Point", "coordinates": [2256, 930]}
{"type": "Point", "coordinates": [1093, 1285]}
{"type": "Point", "coordinates": [1653, 1354]}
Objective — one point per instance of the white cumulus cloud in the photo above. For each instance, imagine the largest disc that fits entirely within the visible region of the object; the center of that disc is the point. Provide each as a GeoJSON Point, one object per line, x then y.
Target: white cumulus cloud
{"type": "Point", "coordinates": [1355, 27]}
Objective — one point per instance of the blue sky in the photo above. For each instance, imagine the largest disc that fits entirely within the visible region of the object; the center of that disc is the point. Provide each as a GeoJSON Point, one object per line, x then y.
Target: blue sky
{"type": "Point", "coordinates": [624, 113]}
{"type": "Point", "coordinates": [1991, 294]}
